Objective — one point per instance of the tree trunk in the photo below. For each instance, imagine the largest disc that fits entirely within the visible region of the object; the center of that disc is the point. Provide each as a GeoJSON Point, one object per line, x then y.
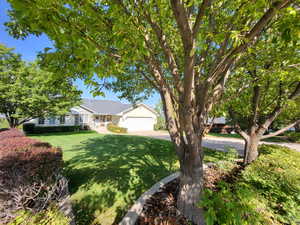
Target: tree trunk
{"type": "Point", "coordinates": [13, 123]}
{"type": "Point", "coordinates": [191, 182]}
{"type": "Point", "coordinates": [251, 148]}
{"type": "Point", "coordinates": [297, 127]}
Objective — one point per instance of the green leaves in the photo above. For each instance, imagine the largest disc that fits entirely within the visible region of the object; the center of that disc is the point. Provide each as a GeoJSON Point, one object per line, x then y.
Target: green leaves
{"type": "Point", "coordinates": [27, 92]}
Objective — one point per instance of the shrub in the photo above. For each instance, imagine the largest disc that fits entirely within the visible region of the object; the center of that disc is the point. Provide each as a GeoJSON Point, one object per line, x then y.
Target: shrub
{"type": "Point", "coordinates": [293, 136]}
{"type": "Point", "coordinates": [10, 133]}
{"type": "Point", "coordinates": [50, 216]}
{"type": "Point", "coordinates": [39, 130]}
{"type": "Point", "coordinates": [11, 144]}
{"type": "Point", "coordinates": [266, 192]}
{"type": "Point", "coordinates": [28, 128]}
{"type": "Point", "coordinates": [29, 175]}
{"type": "Point", "coordinates": [116, 129]}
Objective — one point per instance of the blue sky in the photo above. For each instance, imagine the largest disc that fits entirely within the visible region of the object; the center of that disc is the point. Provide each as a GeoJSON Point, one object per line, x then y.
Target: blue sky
{"type": "Point", "coordinates": [29, 48]}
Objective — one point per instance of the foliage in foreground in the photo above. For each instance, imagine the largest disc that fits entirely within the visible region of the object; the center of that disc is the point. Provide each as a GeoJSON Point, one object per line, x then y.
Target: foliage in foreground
{"type": "Point", "coordinates": [50, 216]}
{"type": "Point", "coordinates": [266, 192]}
{"type": "Point", "coordinates": [30, 177]}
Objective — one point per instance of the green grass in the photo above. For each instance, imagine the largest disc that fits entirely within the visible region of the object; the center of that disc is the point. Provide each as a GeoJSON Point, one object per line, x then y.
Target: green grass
{"type": "Point", "coordinates": [225, 135]}
{"type": "Point", "coordinates": [3, 123]}
{"type": "Point", "coordinates": [108, 173]}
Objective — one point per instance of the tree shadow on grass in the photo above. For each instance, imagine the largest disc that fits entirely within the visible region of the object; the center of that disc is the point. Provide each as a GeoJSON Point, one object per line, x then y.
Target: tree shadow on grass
{"type": "Point", "coordinates": [108, 173]}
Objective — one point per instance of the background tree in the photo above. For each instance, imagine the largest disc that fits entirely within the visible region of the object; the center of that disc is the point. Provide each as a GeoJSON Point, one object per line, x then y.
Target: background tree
{"type": "Point", "coordinates": [161, 121]}
{"type": "Point", "coordinates": [185, 49]}
{"type": "Point", "coordinates": [265, 86]}
{"type": "Point", "coordinates": [27, 92]}
{"type": "Point", "coordinates": [290, 114]}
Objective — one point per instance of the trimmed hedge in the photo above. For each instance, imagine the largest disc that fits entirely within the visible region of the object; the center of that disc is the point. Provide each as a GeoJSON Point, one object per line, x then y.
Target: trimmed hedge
{"type": "Point", "coordinates": [116, 129]}
{"type": "Point", "coordinates": [294, 136]}
{"type": "Point", "coordinates": [30, 128]}
{"type": "Point", "coordinates": [30, 175]}
{"type": "Point", "coordinates": [266, 192]}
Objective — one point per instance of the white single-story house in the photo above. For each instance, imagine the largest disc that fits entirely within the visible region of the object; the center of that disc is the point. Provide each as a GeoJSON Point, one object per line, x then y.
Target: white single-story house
{"type": "Point", "coordinates": [98, 113]}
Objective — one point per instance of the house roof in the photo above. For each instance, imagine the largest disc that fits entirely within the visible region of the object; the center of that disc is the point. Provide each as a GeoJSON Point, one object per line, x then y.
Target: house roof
{"type": "Point", "coordinates": [104, 107]}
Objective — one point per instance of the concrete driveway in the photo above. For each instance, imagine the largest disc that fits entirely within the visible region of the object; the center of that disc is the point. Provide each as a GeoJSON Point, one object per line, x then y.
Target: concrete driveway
{"type": "Point", "coordinates": [218, 143]}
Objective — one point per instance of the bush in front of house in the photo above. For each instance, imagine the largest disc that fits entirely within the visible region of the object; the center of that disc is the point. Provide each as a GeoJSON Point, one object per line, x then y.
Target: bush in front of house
{"type": "Point", "coordinates": [32, 129]}
{"type": "Point", "coordinates": [28, 128]}
{"type": "Point", "coordinates": [266, 192]}
{"type": "Point", "coordinates": [116, 129]}
{"type": "Point", "coordinates": [30, 178]}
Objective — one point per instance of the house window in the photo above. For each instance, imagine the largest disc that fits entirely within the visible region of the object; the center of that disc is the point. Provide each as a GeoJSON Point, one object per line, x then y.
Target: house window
{"type": "Point", "coordinates": [102, 118]}
{"type": "Point", "coordinates": [41, 120]}
{"type": "Point", "coordinates": [62, 119]}
{"type": "Point", "coordinates": [108, 118]}
{"type": "Point", "coordinates": [52, 120]}
{"type": "Point", "coordinates": [76, 119]}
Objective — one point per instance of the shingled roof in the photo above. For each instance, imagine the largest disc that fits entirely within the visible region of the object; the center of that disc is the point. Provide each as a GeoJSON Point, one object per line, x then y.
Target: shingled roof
{"type": "Point", "coordinates": [104, 107]}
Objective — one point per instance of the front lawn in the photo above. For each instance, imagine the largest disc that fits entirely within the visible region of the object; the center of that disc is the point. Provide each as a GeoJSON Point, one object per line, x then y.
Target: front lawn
{"type": "Point", "coordinates": [108, 173]}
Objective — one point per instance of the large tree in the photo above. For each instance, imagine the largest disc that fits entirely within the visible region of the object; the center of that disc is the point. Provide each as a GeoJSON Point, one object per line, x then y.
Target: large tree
{"type": "Point", "coordinates": [185, 49]}
{"type": "Point", "coordinates": [27, 92]}
{"type": "Point", "coordinates": [266, 85]}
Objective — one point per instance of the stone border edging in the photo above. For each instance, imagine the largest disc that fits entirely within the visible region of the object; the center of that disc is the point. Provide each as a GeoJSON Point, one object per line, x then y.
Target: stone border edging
{"type": "Point", "coordinates": [133, 213]}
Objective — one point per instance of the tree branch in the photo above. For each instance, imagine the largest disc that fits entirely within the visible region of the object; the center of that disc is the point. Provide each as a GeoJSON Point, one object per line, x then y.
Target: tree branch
{"type": "Point", "coordinates": [200, 15]}
{"type": "Point", "coordinates": [167, 51]}
{"type": "Point", "coordinates": [255, 103]}
{"type": "Point", "coordinates": [296, 92]}
{"type": "Point", "coordinates": [281, 130]}
{"type": "Point", "coordinates": [278, 110]}
{"type": "Point", "coordinates": [237, 127]}
{"type": "Point", "coordinates": [249, 37]}
{"type": "Point", "coordinates": [181, 18]}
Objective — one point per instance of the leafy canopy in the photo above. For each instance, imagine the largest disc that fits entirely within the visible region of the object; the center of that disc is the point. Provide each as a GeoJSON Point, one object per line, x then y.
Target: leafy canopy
{"type": "Point", "coordinates": [114, 38]}
{"type": "Point", "coordinates": [28, 92]}
{"type": "Point", "coordinates": [266, 79]}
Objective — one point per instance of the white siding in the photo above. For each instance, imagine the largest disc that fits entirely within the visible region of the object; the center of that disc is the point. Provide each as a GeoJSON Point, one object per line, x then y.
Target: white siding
{"type": "Point", "coordinates": [138, 119]}
{"type": "Point", "coordinates": [69, 121]}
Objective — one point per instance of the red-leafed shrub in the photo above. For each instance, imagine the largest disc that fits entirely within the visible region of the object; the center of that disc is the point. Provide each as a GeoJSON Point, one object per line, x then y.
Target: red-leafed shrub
{"type": "Point", "coordinates": [29, 174]}
{"type": "Point", "coordinates": [11, 133]}
{"type": "Point", "coordinates": [12, 144]}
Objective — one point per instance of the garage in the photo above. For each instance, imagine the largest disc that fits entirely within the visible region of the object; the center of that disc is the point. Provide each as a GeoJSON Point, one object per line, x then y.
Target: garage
{"type": "Point", "coordinates": [139, 123]}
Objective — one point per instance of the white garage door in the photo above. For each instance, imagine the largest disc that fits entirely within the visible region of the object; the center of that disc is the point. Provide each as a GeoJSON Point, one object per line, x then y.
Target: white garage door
{"type": "Point", "coordinates": [139, 123]}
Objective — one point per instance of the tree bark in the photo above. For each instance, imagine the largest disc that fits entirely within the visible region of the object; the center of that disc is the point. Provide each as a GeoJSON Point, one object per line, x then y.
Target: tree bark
{"type": "Point", "coordinates": [297, 127]}
{"type": "Point", "coordinates": [13, 122]}
{"type": "Point", "coordinates": [191, 182]}
{"type": "Point", "coordinates": [251, 148]}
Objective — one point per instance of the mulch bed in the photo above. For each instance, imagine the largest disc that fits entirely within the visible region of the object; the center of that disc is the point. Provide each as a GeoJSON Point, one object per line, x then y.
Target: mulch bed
{"type": "Point", "coordinates": [161, 208]}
